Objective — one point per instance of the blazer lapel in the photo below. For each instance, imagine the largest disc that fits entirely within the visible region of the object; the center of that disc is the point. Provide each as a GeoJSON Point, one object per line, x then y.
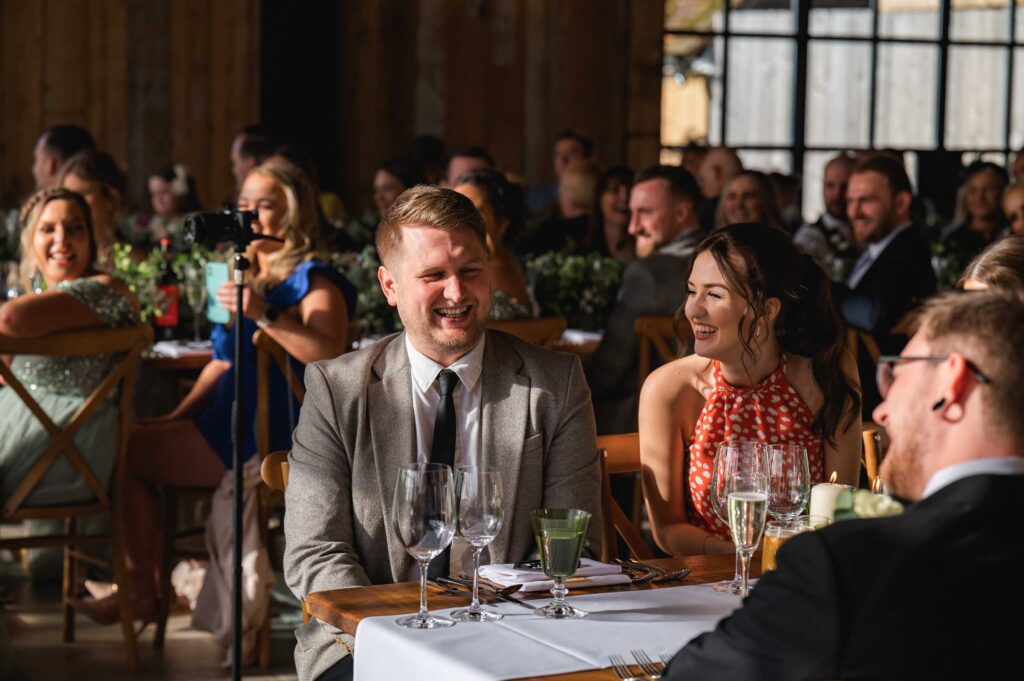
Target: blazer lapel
{"type": "Point", "coordinates": [506, 406]}
{"type": "Point", "coordinates": [392, 430]}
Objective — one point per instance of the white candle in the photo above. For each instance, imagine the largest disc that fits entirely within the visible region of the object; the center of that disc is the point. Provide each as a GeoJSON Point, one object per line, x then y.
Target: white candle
{"type": "Point", "coordinates": [823, 497]}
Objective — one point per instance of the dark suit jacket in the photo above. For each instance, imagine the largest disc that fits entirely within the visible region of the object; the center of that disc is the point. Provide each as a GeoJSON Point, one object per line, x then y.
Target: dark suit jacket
{"type": "Point", "coordinates": [933, 593]}
{"type": "Point", "coordinates": [897, 282]}
{"type": "Point", "coordinates": [655, 285]}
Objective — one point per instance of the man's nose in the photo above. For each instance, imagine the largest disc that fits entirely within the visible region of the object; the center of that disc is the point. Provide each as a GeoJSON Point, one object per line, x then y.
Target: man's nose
{"type": "Point", "coordinates": [880, 414]}
{"type": "Point", "coordinates": [453, 288]}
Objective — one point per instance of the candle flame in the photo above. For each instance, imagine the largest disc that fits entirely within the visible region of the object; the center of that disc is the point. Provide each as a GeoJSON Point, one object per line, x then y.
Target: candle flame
{"type": "Point", "coordinates": [833, 478]}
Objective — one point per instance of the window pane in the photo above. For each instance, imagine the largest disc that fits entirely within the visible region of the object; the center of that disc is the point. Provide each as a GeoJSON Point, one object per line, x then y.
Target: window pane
{"type": "Point", "coordinates": [671, 157]}
{"type": "Point", "coordinates": [814, 172]}
{"type": "Point", "coordinates": [715, 115]}
{"type": "Point", "coordinates": [838, 93]}
{"type": "Point", "coordinates": [760, 91]}
{"type": "Point", "coordinates": [902, 19]}
{"type": "Point", "coordinates": [763, 16]}
{"type": "Point", "coordinates": [693, 15]}
{"type": "Point", "coordinates": [827, 19]}
{"type": "Point", "coordinates": [905, 97]}
{"type": "Point", "coordinates": [976, 97]}
{"type": "Point", "coordinates": [977, 20]}
{"type": "Point", "coordinates": [1017, 125]}
{"type": "Point", "coordinates": [780, 160]}
{"type": "Point", "coordinates": [689, 73]}
{"type": "Point", "coordinates": [1018, 35]}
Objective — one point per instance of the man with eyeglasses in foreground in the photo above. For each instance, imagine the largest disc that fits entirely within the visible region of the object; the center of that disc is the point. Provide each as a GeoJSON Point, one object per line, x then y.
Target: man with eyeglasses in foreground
{"type": "Point", "coordinates": [925, 594]}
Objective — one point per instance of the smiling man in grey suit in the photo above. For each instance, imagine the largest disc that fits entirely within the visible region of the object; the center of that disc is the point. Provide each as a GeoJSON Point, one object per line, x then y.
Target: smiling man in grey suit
{"type": "Point", "coordinates": [519, 408]}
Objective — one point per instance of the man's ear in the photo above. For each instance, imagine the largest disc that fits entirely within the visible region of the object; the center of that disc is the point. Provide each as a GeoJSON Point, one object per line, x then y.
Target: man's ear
{"type": "Point", "coordinates": [902, 202]}
{"type": "Point", "coordinates": [387, 284]}
{"type": "Point", "coordinates": [52, 166]}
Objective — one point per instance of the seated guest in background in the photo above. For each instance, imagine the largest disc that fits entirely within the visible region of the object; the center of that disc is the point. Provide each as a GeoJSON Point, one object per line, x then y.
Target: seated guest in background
{"type": "Point", "coordinates": [463, 160]}
{"type": "Point", "coordinates": [570, 146]}
{"type": "Point", "coordinates": [500, 204]}
{"type": "Point", "coordinates": [893, 273]}
{"type": "Point", "coordinates": [979, 218]}
{"type": "Point", "coordinates": [768, 344]}
{"type": "Point", "coordinates": [1013, 207]}
{"type": "Point", "coordinates": [1018, 167]}
{"type": "Point", "coordinates": [609, 220]}
{"type": "Point", "coordinates": [298, 301]}
{"type": "Point", "coordinates": [1000, 266]}
{"type": "Point", "coordinates": [663, 202]}
{"type": "Point", "coordinates": [874, 599]}
{"type": "Point", "coordinates": [389, 180]}
{"type": "Point", "coordinates": [53, 148]}
{"type": "Point", "coordinates": [57, 243]}
{"type": "Point", "coordinates": [172, 196]}
{"type": "Point", "coordinates": [829, 240]}
{"type": "Point", "coordinates": [95, 175]}
{"type": "Point", "coordinates": [510, 405]}
{"type": "Point", "coordinates": [749, 197]}
{"type": "Point", "coordinates": [719, 165]}
{"type": "Point", "coordinates": [788, 191]}
{"type": "Point", "coordinates": [568, 228]}
{"type": "Point", "coordinates": [252, 146]}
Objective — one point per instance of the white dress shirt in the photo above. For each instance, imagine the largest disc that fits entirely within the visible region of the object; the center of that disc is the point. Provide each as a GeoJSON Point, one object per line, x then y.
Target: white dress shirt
{"type": "Point", "coordinates": [871, 254]}
{"type": "Point", "coordinates": [425, 398]}
{"type": "Point", "coordinates": [1003, 465]}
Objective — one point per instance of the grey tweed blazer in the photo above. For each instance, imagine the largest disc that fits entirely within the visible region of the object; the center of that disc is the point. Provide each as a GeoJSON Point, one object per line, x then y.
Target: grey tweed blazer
{"type": "Point", "coordinates": [357, 428]}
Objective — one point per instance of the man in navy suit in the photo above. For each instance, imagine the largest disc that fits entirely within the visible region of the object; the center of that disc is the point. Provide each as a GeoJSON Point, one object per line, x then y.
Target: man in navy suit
{"type": "Point", "coordinates": [893, 274]}
{"type": "Point", "coordinates": [928, 594]}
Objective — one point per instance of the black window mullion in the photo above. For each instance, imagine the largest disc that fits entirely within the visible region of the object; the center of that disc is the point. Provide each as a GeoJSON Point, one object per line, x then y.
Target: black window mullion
{"type": "Point", "coordinates": [724, 105]}
{"type": "Point", "coordinates": [800, 89]}
{"type": "Point", "coordinates": [940, 109]}
{"type": "Point", "coordinates": [1009, 80]}
{"type": "Point", "coordinates": [873, 79]}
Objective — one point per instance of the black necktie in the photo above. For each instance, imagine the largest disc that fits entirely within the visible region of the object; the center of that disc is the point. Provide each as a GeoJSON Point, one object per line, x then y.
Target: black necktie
{"type": "Point", "coordinates": [442, 450]}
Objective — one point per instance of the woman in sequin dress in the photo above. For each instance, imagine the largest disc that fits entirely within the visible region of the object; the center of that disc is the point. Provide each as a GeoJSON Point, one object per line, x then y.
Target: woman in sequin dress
{"type": "Point", "coordinates": [769, 365]}
{"type": "Point", "coordinates": [57, 243]}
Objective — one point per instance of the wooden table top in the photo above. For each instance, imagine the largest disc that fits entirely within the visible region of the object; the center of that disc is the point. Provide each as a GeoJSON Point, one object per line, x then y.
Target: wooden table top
{"type": "Point", "coordinates": [188, 362]}
{"type": "Point", "coordinates": [344, 608]}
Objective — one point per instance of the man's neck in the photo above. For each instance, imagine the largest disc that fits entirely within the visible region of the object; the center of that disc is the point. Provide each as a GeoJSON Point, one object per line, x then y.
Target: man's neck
{"type": "Point", "coordinates": [964, 443]}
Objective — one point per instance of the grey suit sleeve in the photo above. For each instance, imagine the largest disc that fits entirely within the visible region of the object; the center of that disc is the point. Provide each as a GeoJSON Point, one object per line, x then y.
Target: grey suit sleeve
{"type": "Point", "coordinates": [572, 475]}
{"type": "Point", "coordinates": [788, 629]}
{"type": "Point", "coordinates": [319, 548]}
{"type": "Point", "coordinates": [616, 358]}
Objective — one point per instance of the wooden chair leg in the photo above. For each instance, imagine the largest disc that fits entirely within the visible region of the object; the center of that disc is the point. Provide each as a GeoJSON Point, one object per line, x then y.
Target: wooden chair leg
{"type": "Point", "coordinates": [125, 596]}
{"type": "Point", "coordinates": [265, 640]}
{"type": "Point", "coordinates": [70, 581]}
{"type": "Point", "coordinates": [165, 595]}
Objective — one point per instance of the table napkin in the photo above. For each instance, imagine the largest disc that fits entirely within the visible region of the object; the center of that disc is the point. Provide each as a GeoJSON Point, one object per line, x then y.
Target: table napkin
{"type": "Point", "coordinates": [176, 349]}
{"type": "Point", "coordinates": [591, 573]}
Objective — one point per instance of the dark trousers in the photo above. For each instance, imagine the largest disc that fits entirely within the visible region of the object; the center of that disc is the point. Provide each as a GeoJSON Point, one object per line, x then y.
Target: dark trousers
{"type": "Point", "coordinates": [341, 671]}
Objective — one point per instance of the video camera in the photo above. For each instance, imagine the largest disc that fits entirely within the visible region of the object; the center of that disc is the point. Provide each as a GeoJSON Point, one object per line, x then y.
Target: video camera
{"type": "Point", "coordinates": [228, 225]}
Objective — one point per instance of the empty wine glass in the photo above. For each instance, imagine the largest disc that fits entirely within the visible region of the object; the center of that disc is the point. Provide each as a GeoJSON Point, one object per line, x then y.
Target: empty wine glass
{"type": "Point", "coordinates": [732, 458]}
{"type": "Point", "coordinates": [481, 509]}
{"type": "Point", "coordinates": [560, 533]}
{"type": "Point", "coordinates": [789, 477]}
{"type": "Point", "coordinates": [748, 510]}
{"type": "Point", "coordinates": [195, 294]}
{"type": "Point", "coordinates": [424, 518]}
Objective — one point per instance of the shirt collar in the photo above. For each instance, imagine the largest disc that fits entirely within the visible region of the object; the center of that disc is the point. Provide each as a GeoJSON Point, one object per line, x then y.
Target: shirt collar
{"type": "Point", "coordinates": [468, 367]}
{"type": "Point", "coordinates": [1004, 465]}
{"type": "Point", "coordinates": [875, 249]}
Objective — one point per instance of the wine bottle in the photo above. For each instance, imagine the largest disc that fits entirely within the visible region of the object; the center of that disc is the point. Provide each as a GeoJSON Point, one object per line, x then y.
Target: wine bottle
{"type": "Point", "coordinates": [169, 293]}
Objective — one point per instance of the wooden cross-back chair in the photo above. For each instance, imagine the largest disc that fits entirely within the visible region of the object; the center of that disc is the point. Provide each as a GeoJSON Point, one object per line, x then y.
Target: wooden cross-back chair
{"type": "Point", "coordinates": [871, 436]}
{"type": "Point", "coordinates": [274, 471]}
{"type": "Point", "coordinates": [619, 454]}
{"type": "Point", "coordinates": [544, 331]}
{"type": "Point", "coordinates": [118, 384]}
{"type": "Point", "coordinates": [669, 336]}
{"type": "Point", "coordinates": [856, 339]}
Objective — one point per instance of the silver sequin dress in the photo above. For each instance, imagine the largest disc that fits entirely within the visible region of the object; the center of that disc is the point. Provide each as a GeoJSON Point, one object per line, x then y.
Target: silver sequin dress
{"type": "Point", "coordinates": [60, 385]}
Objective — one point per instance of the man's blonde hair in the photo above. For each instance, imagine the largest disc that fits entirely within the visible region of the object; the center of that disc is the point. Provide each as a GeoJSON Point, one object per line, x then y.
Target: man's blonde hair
{"type": "Point", "coordinates": [426, 206]}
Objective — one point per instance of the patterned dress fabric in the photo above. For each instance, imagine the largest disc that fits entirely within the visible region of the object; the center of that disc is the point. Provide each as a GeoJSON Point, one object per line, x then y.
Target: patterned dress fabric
{"type": "Point", "coordinates": [60, 386]}
{"type": "Point", "coordinates": [771, 412]}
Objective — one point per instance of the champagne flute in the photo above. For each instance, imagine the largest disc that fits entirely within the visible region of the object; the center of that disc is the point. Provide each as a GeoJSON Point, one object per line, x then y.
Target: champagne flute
{"type": "Point", "coordinates": [195, 294]}
{"type": "Point", "coordinates": [790, 479]}
{"type": "Point", "coordinates": [424, 518]}
{"type": "Point", "coordinates": [481, 509]}
{"type": "Point", "coordinates": [732, 456]}
{"type": "Point", "coordinates": [560, 533]}
{"type": "Point", "coordinates": [748, 491]}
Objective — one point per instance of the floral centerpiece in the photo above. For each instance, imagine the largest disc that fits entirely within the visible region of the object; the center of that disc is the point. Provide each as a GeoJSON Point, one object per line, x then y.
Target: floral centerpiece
{"type": "Point", "coordinates": [371, 305]}
{"type": "Point", "coordinates": [581, 288]}
{"type": "Point", "coordinates": [861, 503]}
{"type": "Point", "coordinates": [140, 270]}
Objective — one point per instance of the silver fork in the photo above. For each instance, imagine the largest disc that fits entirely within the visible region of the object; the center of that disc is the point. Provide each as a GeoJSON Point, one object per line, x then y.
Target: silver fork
{"type": "Point", "coordinates": [621, 669]}
{"type": "Point", "coordinates": [673, 576]}
{"type": "Point", "coordinates": [665, 659]}
{"type": "Point", "coordinates": [649, 666]}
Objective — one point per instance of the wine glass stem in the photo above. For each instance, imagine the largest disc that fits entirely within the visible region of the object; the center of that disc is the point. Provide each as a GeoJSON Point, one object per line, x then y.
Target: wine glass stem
{"type": "Point", "coordinates": [744, 557]}
{"type": "Point", "coordinates": [474, 605]}
{"type": "Point", "coordinates": [423, 586]}
{"type": "Point", "coordinates": [195, 326]}
{"type": "Point", "coordinates": [736, 576]}
{"type": "Point", "coordinates": [559, 591]}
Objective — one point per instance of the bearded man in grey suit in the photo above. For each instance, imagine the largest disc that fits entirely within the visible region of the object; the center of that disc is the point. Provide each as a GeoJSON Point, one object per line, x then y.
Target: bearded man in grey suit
{"type": "Point", "coordinates": [521, 409]}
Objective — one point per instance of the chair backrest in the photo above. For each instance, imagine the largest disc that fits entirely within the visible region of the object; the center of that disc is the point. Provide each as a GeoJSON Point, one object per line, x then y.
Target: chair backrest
{"type": "Point", "coordinates": [544, 331]}
{"type": "Point", "coordinates": [856, 338]}
{"type": "Point", "coordinates": [268, 349]}
{"type": "Point", "coordinates": [274, 470]}
{"type": "Point", "coordinates": [872, 437]}
{"type": "Point", "coordinates": [129, 343]}
{"type": "Point", "coordinates": [666, 334]}
{"type": "Point", "coordinates": [619, 454]}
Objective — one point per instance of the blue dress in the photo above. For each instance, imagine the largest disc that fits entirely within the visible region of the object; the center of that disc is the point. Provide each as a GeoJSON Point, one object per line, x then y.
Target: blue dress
{"type": "Point", "coordinates": [215, 422]}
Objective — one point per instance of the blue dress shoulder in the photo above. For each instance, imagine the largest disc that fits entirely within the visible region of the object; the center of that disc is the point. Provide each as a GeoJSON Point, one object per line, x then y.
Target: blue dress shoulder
{"type": "Point", "coordinates": [215, 422]}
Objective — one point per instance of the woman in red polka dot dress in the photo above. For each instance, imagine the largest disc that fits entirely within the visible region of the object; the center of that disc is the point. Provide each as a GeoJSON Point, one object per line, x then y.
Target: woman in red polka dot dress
{"type": "Point", "coordinates": [769, 365]}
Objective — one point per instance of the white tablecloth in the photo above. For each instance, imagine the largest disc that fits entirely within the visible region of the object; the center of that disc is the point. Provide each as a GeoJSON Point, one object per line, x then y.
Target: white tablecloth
{"type": "Point", "coordinates": [659, 621]}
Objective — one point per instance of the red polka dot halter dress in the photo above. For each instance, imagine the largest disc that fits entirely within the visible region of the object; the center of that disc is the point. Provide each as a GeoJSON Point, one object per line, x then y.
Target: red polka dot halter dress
{"type": "Point", "coordinates": [771, 412]}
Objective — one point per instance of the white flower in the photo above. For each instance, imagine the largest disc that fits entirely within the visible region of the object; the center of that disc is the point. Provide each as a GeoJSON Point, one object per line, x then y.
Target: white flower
{"type": "Point", "coordinates": [869, 505]}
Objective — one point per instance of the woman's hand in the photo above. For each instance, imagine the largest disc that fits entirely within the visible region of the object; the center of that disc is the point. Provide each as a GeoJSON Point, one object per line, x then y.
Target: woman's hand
{"type": "Point", "coordinates": [254, 306]}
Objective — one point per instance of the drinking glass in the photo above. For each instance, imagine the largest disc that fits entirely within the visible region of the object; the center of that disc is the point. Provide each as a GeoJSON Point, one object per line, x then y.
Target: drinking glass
{"type": "Point", "coordinates": [481, 509]}
{"type": "Point", "coordinates": [195, 294]}
{"type": "Point", "coordinates": [424, 518]}
{"type": "Point", "coordinates": [790, 479]}
{"type": "Point", "coordinates": [747, 494]}
{"type": "Point", "coordinates": [733, 456]}
{"type": "Point", "coordinates": [560, 533]}
{"type": "Point", "coordinates": [776, 532]}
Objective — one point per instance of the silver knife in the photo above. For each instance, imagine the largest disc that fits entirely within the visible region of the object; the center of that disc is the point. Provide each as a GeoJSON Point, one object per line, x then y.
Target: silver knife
{"type": "Point", "coordinates": [487, 589]}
